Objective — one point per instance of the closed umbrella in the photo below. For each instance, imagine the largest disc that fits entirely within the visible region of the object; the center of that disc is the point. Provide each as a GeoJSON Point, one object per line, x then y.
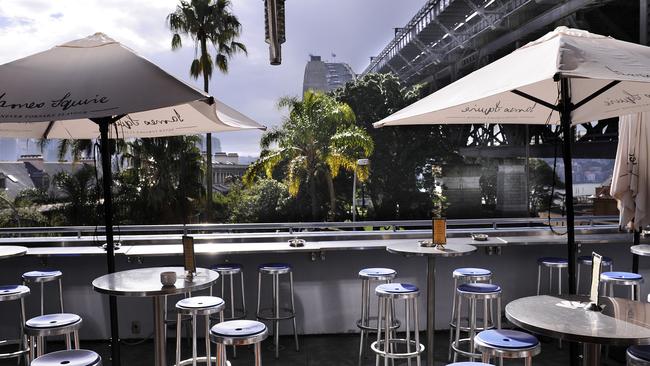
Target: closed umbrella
{"type": "Point", "coordinates": [96, 87]}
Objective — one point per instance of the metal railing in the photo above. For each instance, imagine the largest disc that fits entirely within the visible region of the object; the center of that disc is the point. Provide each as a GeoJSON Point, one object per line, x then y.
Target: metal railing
{"type": "Point", "coordinates": [293, 227]}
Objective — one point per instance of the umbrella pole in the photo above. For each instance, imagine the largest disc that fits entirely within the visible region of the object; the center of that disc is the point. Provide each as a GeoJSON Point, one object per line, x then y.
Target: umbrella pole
{"type": "Point", "coordinates": [108, 217]}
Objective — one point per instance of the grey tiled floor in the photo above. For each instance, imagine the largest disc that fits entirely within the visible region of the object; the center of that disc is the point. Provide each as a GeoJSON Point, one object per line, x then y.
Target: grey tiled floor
{"type": "Point", "coordinates": [317, 350]}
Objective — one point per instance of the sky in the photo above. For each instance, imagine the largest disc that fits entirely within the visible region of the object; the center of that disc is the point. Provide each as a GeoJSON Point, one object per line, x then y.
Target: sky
{"type": "Point", "coordinates": [353, 30]}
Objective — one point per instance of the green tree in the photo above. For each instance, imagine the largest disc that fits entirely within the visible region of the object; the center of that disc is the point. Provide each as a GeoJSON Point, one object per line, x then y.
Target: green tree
{"type": "Point", "coordinates": [164, 180]}
{"type": "Point", "coordinates": [403, 153]}
{"type": "Point", "coordinates": [315, 142]}
{"type": "Point", "coordinates": [266, 200]}
{"type": "Point", "coordinates": [207, 22]}
{"type": "Point", "coordinates": [79, 195]}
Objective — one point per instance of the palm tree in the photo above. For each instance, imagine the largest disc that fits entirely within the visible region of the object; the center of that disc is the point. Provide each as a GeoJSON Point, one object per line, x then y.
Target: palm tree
{"type": "Point", "coordinates": [316, 140]}
{"type": "Point", "coordinates": [207, 22]}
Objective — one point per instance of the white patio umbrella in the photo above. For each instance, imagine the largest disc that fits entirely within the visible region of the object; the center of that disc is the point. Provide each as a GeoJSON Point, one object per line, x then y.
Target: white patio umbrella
{"type": "Point", "coordinates": [567, 77]}
{"type": "Point", "coordinates": [96, 87]}
{"type": "Point", "coordinates": [632, 171]}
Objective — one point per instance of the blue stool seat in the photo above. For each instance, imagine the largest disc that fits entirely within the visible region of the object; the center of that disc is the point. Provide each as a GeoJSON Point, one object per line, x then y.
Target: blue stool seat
{"type": "Point", "coordinates": [12, 290]}
{"type": "Point", "coordinates": [226, 266]}
{"type": "Point", "coordinates": [642, 352]}
{"type": "Point", "coordinates": [627, 276]}
{"type": "Point", "coordinates": [586, 259]}
{"type": "Point", "coordinates": [396, 288]}
{"type": "Point", "coordinates": [42, 276]}
{"type": "Point", "coordinates": [238, 328]}
{"type": "Point", "coordinates": [471, 272]}
{"type": "Point", "coordinates": [274, 267]}
{"type": "Point", "coordinates": [469, 364]}
{"type": "Point", "coordinates": [53, 320]}
{"type": "Point", "coordinates": [199, 302]}
{"type": "Point", "coordinates": [507, 339]}
{"type": "Point", "coordinates": [77, 357]}
{"type": "Point", "coordinates": [481, 288]}
{"type": "Point", "coordinates": [552, 261]}
{"type": "Point", "coordinates": [377, 272]}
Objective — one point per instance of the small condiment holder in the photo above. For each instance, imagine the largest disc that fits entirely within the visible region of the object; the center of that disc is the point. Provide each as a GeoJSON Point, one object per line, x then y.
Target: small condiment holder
{"type": "Point", "coordinates": [168, 278]}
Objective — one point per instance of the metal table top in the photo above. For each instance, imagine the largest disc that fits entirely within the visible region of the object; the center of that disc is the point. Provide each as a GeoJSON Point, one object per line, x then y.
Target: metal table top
{"type": "Point", "coordinates": [622, 321]}
{"type": "Point", "coordinates": [414, 248]}
{"type": "Point", "coordinates": [144, 282]}
{"type": "Point", "coordinates": [641, 249]}
{"type": "Point", "coordinates": [9, 251]}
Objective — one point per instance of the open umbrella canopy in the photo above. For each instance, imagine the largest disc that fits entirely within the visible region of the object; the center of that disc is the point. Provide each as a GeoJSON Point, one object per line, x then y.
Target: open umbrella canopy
{"type": "Point", "coordinates": [53, 94]}
{"type": "Point", "coordinates": [631, 177]}
{"type": "Point", "coordinates": [495, 93]}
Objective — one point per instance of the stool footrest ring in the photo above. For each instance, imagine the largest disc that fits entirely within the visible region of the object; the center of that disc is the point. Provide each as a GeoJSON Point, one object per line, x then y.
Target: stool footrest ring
{"type": "Point", "coordinates": [456, 347]}
{"type": "Point", "coordinates": [11, 342]}
{"type": "Point", "coordinates": [288, 314]}
{"type": "Point", "coordinates": [376, 347]}
{"type": "Point", "coordinates": [396, 324]}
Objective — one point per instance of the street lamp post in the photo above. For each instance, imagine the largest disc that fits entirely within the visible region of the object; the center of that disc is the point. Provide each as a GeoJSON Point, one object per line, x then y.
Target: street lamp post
{"type": "Point", "coordinates": [360, 162]}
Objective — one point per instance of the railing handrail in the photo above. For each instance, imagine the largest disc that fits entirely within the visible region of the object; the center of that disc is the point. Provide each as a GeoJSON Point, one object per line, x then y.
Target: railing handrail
{"type": "Point", "coordinates": [296, 226]}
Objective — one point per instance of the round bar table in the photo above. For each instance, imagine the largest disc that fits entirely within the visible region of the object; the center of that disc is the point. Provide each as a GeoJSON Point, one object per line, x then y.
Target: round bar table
{"type": "Point", "coordinates": [10, 251]}
{"type": "Point", "coordinates": [640, 250]}
{"type": "Point", "coordinates": [414, 248]}
{"type": "Point", "coordinates": [145, 282]}
{"type": "Point", "coordinates": [622, 322]}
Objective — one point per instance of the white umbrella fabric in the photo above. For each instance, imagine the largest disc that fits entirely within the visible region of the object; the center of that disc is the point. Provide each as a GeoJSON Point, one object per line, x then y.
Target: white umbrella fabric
{"type": "Point", "coordinates": [567, 77]}
{"type": "Point", "coordinates": [92, 86]}
{"type": "Point", "coordinates": [632, 171]}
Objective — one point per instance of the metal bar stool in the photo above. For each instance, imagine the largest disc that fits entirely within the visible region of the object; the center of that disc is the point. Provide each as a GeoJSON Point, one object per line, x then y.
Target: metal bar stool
{"type": "Point", "coordinates": [368, 275]}
{"type": "Point", "coordinates": [13, 293]}
{"type": "Point", "coordinates": [466, 275]}
{"type": "Point", "coordinates": [638, 356]}
{"type": "Point", "coordinates": [386, 347]}
{"type": "Point", "coordinates": [230, 270]}
{"type": "Point", "coordinates": [41, 277]}
{"type": "Point", "coordinates": [474, 292]}
{"type": "Point", "coordinates": [274, 313]}
{"type": "Point", "coordinates": [586, 260]}
{"type": "Point", "coordinates": [622, 279]}
{"type": "Point", "coordinates": [51, 325]}
{"type": "Point", "coordinates": [197, 306]}
{"type": "Point", "coordinates": [76, 357]}
{"type": "Point", "coordinates": [238, 333]}
{"type": "Point", "coordinates": [551, 263]}
{"type": "Point", "coordinates": [504, 343]}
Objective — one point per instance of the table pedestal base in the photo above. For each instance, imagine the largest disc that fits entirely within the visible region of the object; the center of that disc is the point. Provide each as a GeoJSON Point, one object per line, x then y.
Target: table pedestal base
{"type": "Point", "coordinates": [159, 340]}
{"type": "Point", "coordinates": [431, 308]}
{"type": "Point", "coordinates": [591, 354]}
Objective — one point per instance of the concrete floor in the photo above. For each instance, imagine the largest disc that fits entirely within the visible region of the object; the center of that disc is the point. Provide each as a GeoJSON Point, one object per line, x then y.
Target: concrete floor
{"type": "Point", "coordinates": [316, 350]}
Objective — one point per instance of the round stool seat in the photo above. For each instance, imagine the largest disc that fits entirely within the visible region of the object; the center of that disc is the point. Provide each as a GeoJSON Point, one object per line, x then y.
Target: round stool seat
{"type": "Point", "coordinates": [377, 274]}
{"type": "Point", "coordinates": [274, 268]}
{"type": "Point", "coordinates": [42, 276]}
{"type": "Point", "coordinates": [479, 288]}
{"type": "Point", "coordinates": [200, 305]}
{"type": "Point", "coordinates": [586, 259]}
{"type": "Point", "coordinates": [471, 272]}
{"type": "Point", "coordinates": [13, 292]}
{"type": "Point", "coordinates": [620, 276]}
{"type": "Point", "coordinates": [507, 339]}
{"type": "Point", "coordinates": [227, 268]}
{"type": "Point", "coordinates": [398, 290]}
{"type": "Point", "coordinates": [642, 352]}
{"type": "Point", "coordinates": [553, 262]}
{"type": "Point", "coordinates": [466, 363]}
{"type": "Point", "coordinates": [53, 320]}
{"type": "Point", "coordinates": [238, 332]}
{"type": "Point", "coordinates": [77, 357]}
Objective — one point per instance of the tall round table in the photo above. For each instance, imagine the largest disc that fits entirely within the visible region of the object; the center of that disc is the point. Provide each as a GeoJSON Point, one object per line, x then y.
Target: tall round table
{"type": "Point", "coordinates": [10, 251]}
{"type": "Point", "coordinates": [622, 322]}
{"type": "Point", "coordinates": [145, 282]}
{"type": "Point", "coordinates": [414, 248]}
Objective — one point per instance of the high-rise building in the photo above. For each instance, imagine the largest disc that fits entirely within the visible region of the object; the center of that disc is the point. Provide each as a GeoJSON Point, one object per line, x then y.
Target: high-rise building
{"type": "Point", "coordinates": [325, 76]}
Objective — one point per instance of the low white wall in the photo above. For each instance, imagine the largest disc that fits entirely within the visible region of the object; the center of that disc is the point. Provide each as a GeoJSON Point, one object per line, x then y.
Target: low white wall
{"type": "Point", "coordinates": [327, 292]}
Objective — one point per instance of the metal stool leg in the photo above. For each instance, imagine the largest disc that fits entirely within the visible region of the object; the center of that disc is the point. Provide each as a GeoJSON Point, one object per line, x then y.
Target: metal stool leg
{"type": "Point", "coordinates": [293, 311]}
{"type": "Point", "coordinates": [578, 279]}
{"type": "Point", "coordinates": [194, 355]}
{"type": "Point", "coordinates": [42, 306]}
{"type": "Point", "coordinates": [178, 339]}
{"type": "Point", "coordinates": [539, 278]}
{"type": "Point", "coordinates": [208, 358]}
{"type": "Point", "coordinates": [457, 343]}
{"type": "Point", "coordinates": [68, 342]}
{"type": "Point", "coordinates": [276, 312]}
{"type": "Point", "coordinates": [453, 316]}
{"type": "Point", "coordinates": [364, 315]}
{"type": "Point", "coordinates": [408, 330]}
{"type": "Point", "coordinates": [259, 292]}
{"type": "Point", "coordinates": [380, 304]}
{"type": "Point", "coordinates": [472, 325]}
{"type": "Point", "coordinates": [559, 281]}
{"type": "Point", "coordinates": [416, 327]}
{"type": "Point", "coordinates": [550, 280]}
{"type": "Point", "coordinates": [232, 309]}
{"type": "Point", "coordinates": [243, 296]}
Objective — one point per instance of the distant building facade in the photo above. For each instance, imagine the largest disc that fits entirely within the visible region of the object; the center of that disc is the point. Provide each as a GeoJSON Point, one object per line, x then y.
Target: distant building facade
{"type": "Point", "coordinates": [32, 171]}
{"type": "Point", "coordinates": [226, 168]}
{"type": "Point", "coordinates": [326, 76]}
